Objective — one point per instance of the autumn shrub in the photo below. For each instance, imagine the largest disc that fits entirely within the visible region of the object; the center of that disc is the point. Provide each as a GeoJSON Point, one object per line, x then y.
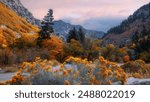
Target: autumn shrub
{"type": "Point", "coordinates": [126, 58]}
{"type": "Point", "coordinates": [54, 46]}
{"type": "Point", "coordinates": [133, 66]}
{"type": "Point", "coordinates": [17, 79]}
{"type": "Point", "coordinates": [109, 72]}
{"type": "Point", "coordinates": [108, 51]}
{"type": "Point", "coordinates": [137, 68]}
{"type": "Point", "coordinates": [90, 49]}
{"type": "Point", "coordinates": [74, 48]}
{"type": "Point", "coordinates": [26, 40]}
{"type": "Point", "coordinates": [41, 72]}
{"type": "Point", "coordinates": [145, 56]}
{"type": "Point", "coordinates": [74, 71]}
{"type": "Point", "coordinates": [115, 54]}
{"type": "Point", "coordinates": [6, 56]}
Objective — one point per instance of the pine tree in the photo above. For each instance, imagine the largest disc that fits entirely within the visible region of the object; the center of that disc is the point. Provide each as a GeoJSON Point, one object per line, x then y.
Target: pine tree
{"type": "Point", "coordinates": [72, 35]}
{"type": "Point", "coordinates": [76, 35]}
{"type": "Point", "coordinates": [46, 28]}
{"type": "Point", "coordinates": [47, 25]}
{"type": "Point", "coordinates": [81, 35]}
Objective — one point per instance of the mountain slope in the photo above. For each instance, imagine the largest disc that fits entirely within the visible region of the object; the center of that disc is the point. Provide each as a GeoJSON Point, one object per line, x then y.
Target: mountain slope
{"type": "Point", "coordinates": [136, 23]}
{"type": "Point", "coordinates": [12, 26]}
{"type": "Point", "coordinates": [18, 8]}
{"type": "Point", "coordinates": [62, 28]}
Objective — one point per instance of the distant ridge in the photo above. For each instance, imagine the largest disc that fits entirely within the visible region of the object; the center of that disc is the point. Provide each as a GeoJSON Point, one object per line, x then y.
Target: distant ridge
{"type": "Point", "coordinates": [122, 34]}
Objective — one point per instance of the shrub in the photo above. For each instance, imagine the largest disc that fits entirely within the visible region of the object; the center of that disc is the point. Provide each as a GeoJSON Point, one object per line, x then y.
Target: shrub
{"type": "Point", "coordinates": [74, 71]}
{"type": "Point", "coordinates": [137, 68]}
{"type": "Point", "coordinates": [145, 56]}
{"type": "Point", "coordinates": [54, 46]}
{"type": "Point", "coordinates": [26, 40]}
{"type": "Point", "coordinates": [91, 51]}
{"type": "Point", "coordinates": [6, 56]}
{"type": "Point", "coordinates": [126, 58]}
{"type": "Point", "coordinates": [112, 53]}
{"type": "Point", "coordinates": [133, 66]}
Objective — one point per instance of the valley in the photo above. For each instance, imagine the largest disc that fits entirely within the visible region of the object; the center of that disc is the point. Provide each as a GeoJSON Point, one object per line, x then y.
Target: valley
{"type": "Point", "coordinates": [48, 52]}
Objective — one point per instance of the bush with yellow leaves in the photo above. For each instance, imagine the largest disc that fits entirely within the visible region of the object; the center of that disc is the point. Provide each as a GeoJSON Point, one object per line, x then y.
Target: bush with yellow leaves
{"type": "Point", "coordinates": [109, 72]}
{"type": "Point", "coordinates": [17, 79]}
{"type": "Point", "coordinates": [74, 71]}
{"type": "Point", "coordinates": [54, 46]}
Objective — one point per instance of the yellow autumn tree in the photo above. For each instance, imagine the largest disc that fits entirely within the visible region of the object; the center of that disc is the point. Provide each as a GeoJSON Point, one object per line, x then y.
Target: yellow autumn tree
{"type": "Point", "coordinates": [54, 46]}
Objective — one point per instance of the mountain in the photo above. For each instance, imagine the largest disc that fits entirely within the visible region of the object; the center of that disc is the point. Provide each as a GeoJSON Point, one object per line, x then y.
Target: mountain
{"type": "Point", "coordinates": [18, 8]}
{"type": "Point", "coordinates": [62, 28]}
{"type": "Point", "coordinates": [134, 25]}
{"type": "Point", "coordinates": [13, 26]}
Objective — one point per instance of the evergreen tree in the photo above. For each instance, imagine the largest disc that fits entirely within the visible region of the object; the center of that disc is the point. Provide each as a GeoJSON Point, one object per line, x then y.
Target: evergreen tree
{"type": "Point", "coordinates": [46, 27]}
{"type": "Point", "coordinates": [73, 34]}
{"type": "Point", "coordinates": [76, 35]}
{"type": "Point", "coordinates": [81, 35]}
{"type": "Point", "coordinates": [135, 37]}
{"type": "Point", "coordinates": [144, 31]}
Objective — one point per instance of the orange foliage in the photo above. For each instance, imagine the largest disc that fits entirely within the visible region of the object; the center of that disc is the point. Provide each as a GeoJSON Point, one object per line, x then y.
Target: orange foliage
{"type": "Point", "coordinates": [17, 79]}
{"type": "Point", "coordinates": [12, 24]}
{"type": "Point", "coordinates": [13, 21]}
{"type": "Point", "coordinates": [2, 39]}
{"type": "Point", "coordinates": [126, 58]}
{"type": "Point", "coordinates": [136, 75]}
{"type": "Point", "coordinates": [54, 46]}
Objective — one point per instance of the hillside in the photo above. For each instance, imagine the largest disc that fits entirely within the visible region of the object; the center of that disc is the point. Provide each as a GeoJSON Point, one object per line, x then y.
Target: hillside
{"type": "Point", "coordinates": [60, 27]}
{"type": "Point", "coordinates": [136, 23]}
{"type": "Point", "coordinates": [19, 9]}
{"type": "Point", "coordinates": [13, 26]}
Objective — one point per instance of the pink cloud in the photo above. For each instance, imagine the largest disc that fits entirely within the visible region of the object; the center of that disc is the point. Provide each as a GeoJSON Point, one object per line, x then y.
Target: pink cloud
{"type": "Point", "coordinates": [83, 8]}
{"type": "Point", "coordinates": [79, 11]}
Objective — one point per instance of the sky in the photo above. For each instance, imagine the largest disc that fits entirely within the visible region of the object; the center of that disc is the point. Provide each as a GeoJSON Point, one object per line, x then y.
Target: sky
{"type": "Point", "coordinates": [98, 15]}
